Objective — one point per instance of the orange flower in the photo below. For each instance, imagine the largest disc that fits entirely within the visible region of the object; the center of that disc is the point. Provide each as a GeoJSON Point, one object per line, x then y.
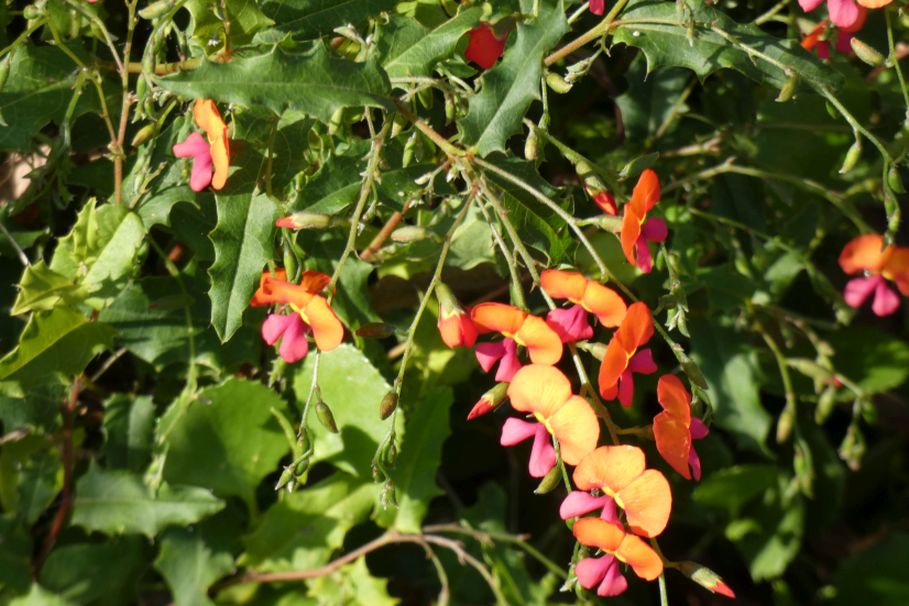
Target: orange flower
{"type": "Point", "coordinates": [619, 471]}
{"type": "Point", "coordinates": [622, 358]}
{"type": "Point", "coordinates": [484, 46]}
{"type": "Point", "coordinates": [542, 343]}
{"type": "Point", "coordinates": [304, 299]}
{"type": "Point", "coordinates": [546, 393]}
{"type": "Point", "coordinates": [603, 302]}
{"type": "Point", "coordinates": [627, 548]}
{"type": "Point", "coordinates": [637, 230]}
{"type": "Point", "coordinates": [867, 254]}
{"type": "Point", "coordinates": [675, 430]}
{"type": "Point", "coordinates": [206, 115]}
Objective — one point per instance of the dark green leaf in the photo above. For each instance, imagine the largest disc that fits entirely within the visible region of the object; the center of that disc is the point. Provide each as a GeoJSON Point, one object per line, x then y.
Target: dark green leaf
{"type": "Point", "coordinates": [190, 565]}
{"type": "Point", "coordinates": [876, 575]}
{"type": "Point", "coordinates": [103, 573]}
{"type": "Point", "coordinates": [875, 360]}
{"type": "Point", "coordinates": [15, 553]}
{"type": "Point", "coordinates": [245, 20]}
{"type": "Point", "coordinates": [128, 431]}
{"type": "Point", "coordinates": [307, 19]}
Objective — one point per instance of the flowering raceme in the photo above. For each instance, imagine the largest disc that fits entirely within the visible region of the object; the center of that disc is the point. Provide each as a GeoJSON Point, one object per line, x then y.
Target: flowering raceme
{"type": "Point", "coordinates": [867, 254]}
{"type": "Point", "coordinates": [675, 429]}
{"type": "Point", "coordinates": [587, 295]}
{"type": "Point", "coordinates": [637, 229]}
{"type": "Point", "coordinates": [211, 159]}
{"type": "Point", "coordinates": [310, 313]}
{"type": "Point", "coordinates": [546, 393]}
{"type": "Point", "coordinates": [519, 328]}
{"type": "Point", "coordinates": [484, 47]}
{"type": "Point", "coordinates": [622, 358]}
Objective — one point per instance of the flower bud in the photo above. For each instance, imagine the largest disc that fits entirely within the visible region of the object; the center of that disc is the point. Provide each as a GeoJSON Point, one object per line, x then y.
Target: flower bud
{"type": "Point", "coordinates": [895, 180]}
{"type": "Point", "coordinates": [409, 147]}
{"type": "Point", "coordinates": [304, 220]}
{"type": "Point", "coordinates": [825, 404]}
{"type": "Point", "coordinates": [866, 53]}
{"type": "Point", "coordinates": [145, 133]}
{"type": "Point", "coordinates": [326, 417]}
{"type": "Point", "coordinates": [156, 9]}
{"type": "Point", "coordinates": [388, 405]}
{"type": "Point", "coordinates": [549, 482]}
{"type": "Point", "coordinates": [531, 145]}
{"type": "Point", "coordinates": [852, 157]}
{"type": "Point", "coordinates": [455, 326]}
{"type": "Point", "coordinates": [410, 233]}
{"type": "Point", "coordinates": [557, 83]}
{"type": "Point", "coordinates": [301, 467]}
{"type": "Point", "coordinates": [706, 578]}
{"type": "Point", "coordinates": [788, 90]}
{"type": "Point", "coordinates": [489, 401]}
{"type": "Point", "coordinates": [605, 201]}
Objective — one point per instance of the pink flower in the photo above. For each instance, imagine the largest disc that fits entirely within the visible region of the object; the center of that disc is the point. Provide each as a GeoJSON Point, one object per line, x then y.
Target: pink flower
{"type": "Point", "coordinates": [641, 363]}
{"type": "Point", "coordinates": [878, 264]}
{"type": "Point", "coordinates": [843, 13]}
{"type": "Point", "coordinates": [292, 331]}
{"type": "Point", "coordinates": [579, 503]}
{"type": "Point", "coordinates": [542, 454]}
{"type": "Point", "coordinates": [504, 352]}
{"type": "Point", "coordinates": [602, 573]}
{"type": "Point", "coordinates": [570, 324]}
{"type": "Point", "coordinates": [196, 147]}
{"type": "Point", "coordinates": [884, 301]}
{"type": "Point", "coordinates": [597, 7]}
{"type": "Point", "coordinates": [653, 230]}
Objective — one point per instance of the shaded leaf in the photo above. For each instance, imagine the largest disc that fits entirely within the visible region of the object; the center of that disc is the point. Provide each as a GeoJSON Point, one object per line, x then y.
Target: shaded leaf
{"type": "Point", "coordinates": [307, 19]}
{"type": "Point", "coordinates": [128, 431]}
{"type": "Point", "coordinates": [96, 573]}
{"type": "Point", "coordinates": [190, 565]}
{"type": "Point", "coordinates": [410, 49]}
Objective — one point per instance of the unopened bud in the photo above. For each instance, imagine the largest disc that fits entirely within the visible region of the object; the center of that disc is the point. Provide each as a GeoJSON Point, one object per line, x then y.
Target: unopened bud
{"type": "Point", "coordinates": [301, 467]}
{"type": "Point", "coordinates": [286, 478]}
{"type": "Point", "coordinates": [33, 11]}
{"type": "Point", "coordinates": [156, 9]}
{"type": "Point", "coordinates": [390, 456]}
{"type": "Point", "coordinates": [531, 145]}
{"type": "Point", "coordinates": [605, 201]}
{"type": "Point", "coordinates": [410, 233]}
{"type": "Point", "coordinates": [866, 53]}
{"type": "Point", "coordinates": [788, 90]}
{"type": "Point", "coordinates": [144, 134]}
{"type": "Point", "coordinates": [852, 157]}
{"type": "Point", "coordinates": [557, 83]}
{"type": "Point", "coordinates": [375, 330]}
{"type": "Point", "coordinates": [409, 146]}
{"type": "Point", "coordinates": [388, 405]}
{"type": "Point", "coordinates": [597, 350]}
{"type": "Point", "coordinates": [706, 578]}
{"type": "Point", "coordinates": [326, 417]}
{"type": "Point", "coordinates": [304, 220]}
{"type": "Point", "coordinates": [811, 369]}
{"type": "Point", "coordinates": [693, 372]}
{"type": "Point", "coordinates": [895, 180]}
{"type": "Point", "coordinates": [489, 401]}
{"type": "Point", "coordinates": [784, 425]}
{"type": "Point", "coordinates": [825, 404]}
{"type": "Point", "coordinates": [549, 482]}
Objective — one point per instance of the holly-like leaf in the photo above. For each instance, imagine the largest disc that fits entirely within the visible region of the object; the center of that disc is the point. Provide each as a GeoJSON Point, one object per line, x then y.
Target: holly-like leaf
{"type": "Point", "coordinates": [410, 49]}
{"type": "Point", "coordinates": [308, 19]}
{"type": "Point", "coordinates": [511, 86]}
{"type": "Point", "coordinates": [697, 36]}
{"type": "Point", "coordinates": [243, 244]}
{"type": "Point", "coordinates": [190, 565]}
{"type": "Point", "coordinates": [245, 17]}
{"type": "Point", "coordinates": [316, 83]}
{"type": "Point", "coordinates": [119, 502]}
{"type": "Point", "coordinates": [228, 440]}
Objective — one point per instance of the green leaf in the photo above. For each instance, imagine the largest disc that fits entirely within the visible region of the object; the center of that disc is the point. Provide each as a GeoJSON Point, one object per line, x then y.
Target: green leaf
{"type": "Point", "coordinates": [875, 360]}
{"type": "Point", "coordinates": [103, 573]}
{"type": "Point", "coordinates": [410, 49]}
{"type": "Point", "coordinates": [876, 575]}
{"type": "Point", "coordinates": [190, 565]}
{"type": "Point", "coordinates": [245, 20]}
{"type": "Point", "coordinates": [697, 36]}
{"type": "Point", "coordinates": [15, 553]}
{"type": "Point", "coordinates": [227, 440]}
{"type": "Point", "coordinates": [351, 584]}
{"type": "Point", "coordinates": [731, 372]}
{"type": "Point", "coordinates": [40, 597]}
{"type": "Point", "coordinates": [243, 244]}
{"type": "Point", "coordinates": [425, 431]}
{"type": "Point", "coordinates": [306, 527]}
{"type": "Point", "coordinates": [651, 99]}
{"type": "Point", "coordinates": [119, 502]}
{"type": "Point", "coordinates": [316, 83]}
{"type": "Point", "coordinates": [732, 488]}
{"type": "Point", "coordinates": [511, 86]}
{"type": "Point", "coordinates": [308, 19]}
{"type": "Point", "coordinates": [128, 431]}
{"type": "Point", "coordinates": [353, 389]}
{"type": "Point", "coordinates": [41, 288]}
{"type": "Point", "coordinates": [57, 344]}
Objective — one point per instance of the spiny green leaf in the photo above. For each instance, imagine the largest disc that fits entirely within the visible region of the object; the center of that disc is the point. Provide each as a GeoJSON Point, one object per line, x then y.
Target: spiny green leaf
{"type": "Point", "coordinates": [119, 502]}
{"type": "Point", "coordinates": [697, 36]}
{"type": "Point", "coordinates": [511, 86]}
{"type": "Point", "coordinates": [242, 243]}
{"type": "Point", "coordinates": [245, 20]}
{"type": "Point", "coordinates": [316, 83]}
{"type": "Point", "coordinates": [308, 19]}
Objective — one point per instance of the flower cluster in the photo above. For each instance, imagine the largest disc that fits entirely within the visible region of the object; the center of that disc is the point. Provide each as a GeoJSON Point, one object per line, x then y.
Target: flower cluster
{"type": "Point", "coordinates": [879, 265]}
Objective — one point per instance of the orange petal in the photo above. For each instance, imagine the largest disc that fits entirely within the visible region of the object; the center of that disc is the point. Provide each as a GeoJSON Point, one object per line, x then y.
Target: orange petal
{"type": "Point", "coordinates": [615, 361]}
{"type": "Point", "coordinates": [543, 343]}
{"type": "Point", "coordinates": [285, 292]}
{"type": "Point", "coordinates": [263, 295]}
{"type": "Point", "coordinates": [646, 193]}
{"type": "Point", "coordinates": [873, 3]}
{"type": "Point", "coordinates": [609, 467]}
{"type": "Point", "coordinates": [673, 397]}
{"type": "Point", "coordinates": [645, 562]}
{"type": "Point", "coordinates": [326, 327]}
{"type": "Point", "coordinates": [207, 117]}
{"type": "Point", "coordinates": [497, 317]}
{"type": "Point", "coordinates": [604, 303]}
{"type": "Point", "coordinates": [864, 252]}
{"type": "Point", "coordinates": [673, 441]}
{"type": "Point", "coordinates": [631, 231]}
{"type": "Point", "coordinates": [220, 157]}
{"type": "Point", "coordinates": [636, 328]}
{"type": "Point", "coordinates": [596, 532]}
{"type": "Point", "coordinates": [539, 389]}
{"type": "Point", "coordinates": [576, 428]}
{"type": "Point", "coordinates": [564, 284]}
{"type": "Point", "coordinates": [647, 502]}
{"type": "Point", "coordinates": [314, 281]}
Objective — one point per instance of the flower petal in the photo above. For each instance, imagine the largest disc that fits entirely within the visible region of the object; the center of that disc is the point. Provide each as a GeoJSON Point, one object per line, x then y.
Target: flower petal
{"type": "Point", "coordinates": [605, 200]}
{"type": "Point", "coordinates": [604, 303]}
{"type": "Point", "coordinates": [673, 441]}
{"type": "Point", "coordinates": [598, 533]}
{"type": "Point", "coordinates": [489, 353]}
{"type": "Point", "coordinates": [326, 327]}
{"type": "Point", "coordinates": [578, 503]}
{"type": "Point", "coordinates": [576, 428]}
{"type": "Point", "coordinates": [539, 389]}
{"type": "Point", "coordinates": [864, 252]}
{"type": "Point", "coordinates": [655, 229]}
{"type": "Point", "coordinates": [263, 295]}
{"type": "Point", "coordinates": [294, 345]}
{"type": "Point", "coordinates": [201, 175]}
{"type": "Point", "coordinates": [497, 317]}
{"type": "Point", "coordinates": [207, 117]}
{"type": "Point", "coordinates": [810, 5]}
{"type": "Point", "coordinates": [615, 361]}
{"type": "Point", "coordinates": [631, 231]}
{"type": "Point", "coordinates": [570, 323]}
{"type": "Point", "coordinates": [274, 326]}
{"type": "Point", "coordinates": [220, 157]}
{"type": "Point", "coordinates": [561, 284]}
{"type": "Point", "coordinates": [858, 290]}
{"type": "Point", "coordinates": [642, 362]}
{"type": "Point", "coordinates": [515, 431]}
{"type": "Point", "coordinates": [314, 281]}
{"type": "Point", "coordinates": [647, 502]}
{"type": "Point", "coordinates": [542, 343]}
{"type": "Point", "coordinates": [646, 193]}
{"type": "Point", "coordinates": [645, 562]}
{"type": "Point", "coordinates": [192, 146]}
{"type": "Point", "coordinates": [591, 571]}
{"type": "Point", "coordinates": [843, 13]}
{"type": "Point", "coordinates": [675, 399]}
{"type": "Point", "coordinates": [610, 467]}
{"type": "Point", "coordinates": [484, 48]}
{"type": "Point", "coordinates": [509, 363]}
{"type": "Point", "coordinates": [542, 454]}
{"type": "Point", "coordinates": [597, 7]}
{"type": "Point", "coordinates": [457, 330]}
{"type": "Point", "coordinates": [626, 388]}
{"type": "Point", "coordinates": [614, 582]}
{"type": "Point", "coordinates": [698, 429]}
{"type": "Point", "coordinates": [636, 328]}
{"type": "Point", "coordinates": [694, 462]}
{"type": "Point", "coordinates": [644, 260]}
{"type": "Point", "coordinates": [885, 300]}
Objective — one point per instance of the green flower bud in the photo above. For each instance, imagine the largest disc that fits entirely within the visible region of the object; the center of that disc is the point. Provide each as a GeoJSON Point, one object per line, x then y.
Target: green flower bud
{"type": "Point", "coordinates": [326, 417]}
{"type": "Point", "coordinates": [388, 405]}
{"type": "Point", "coordinates": [144, 134]}
{"type": "Point", "coordinates": [866, 53]}
{"type": "Point", "coordinates": [852, 157]}
{"type": "Point", "coordinates": [550, 482]}
{"type": "Point", "coordinates": [788, 90]}
{"type": "Point", "coordinates": [557, 83]}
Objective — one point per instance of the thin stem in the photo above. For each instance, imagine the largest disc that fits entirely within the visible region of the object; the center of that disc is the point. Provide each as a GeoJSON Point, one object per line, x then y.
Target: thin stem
{"type": "Point", "coordinates": [664, 598]}
{"type": "Point", "coordinates": [771, 12]}
{"type": "Point", "coordinates": [313, 388]}
{"type": "Point", "coordinates": [786, 417]}
{"type": "Point", "coordinates": [385, 232]}
{"type": "Point", "coordinates": [450, 149]}
{"type": "Point", "coordinates": [589, 36]}
{"type": "Point", "coordinates": [518, 291]}
{"type": "Point", "coordinates": [21, 253]}
{"type": "Point", "coordinates": [895, 62]}
{"type": "Point", "coordinates": [118, 148]}
{"type": "Point", "coordinates": [855, 124]}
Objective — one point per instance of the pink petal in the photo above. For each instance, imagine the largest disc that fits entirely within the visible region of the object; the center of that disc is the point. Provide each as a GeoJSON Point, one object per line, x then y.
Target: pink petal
{"type": "Point", "coordinates": [859, 289]}
{"type": "Point", "coordinates": [809, 5]}
{"type": "Point", "coordinates": [488, 354]}
{"type": "Point", "coordinates": [885, 300]}
{"type": "Point", "coordinates": [597, 7]}
{"type": "Point", "coordinates": [614, 582]}
{"type": "Point", "coordinates": [578, 503]}
{"type": "Point", "coordinates": [542, 454]}
{"type": "Point", "coordinates": [294, 346]}
{"type": "Point", "coordinates": [642, 362]}
{"type": "Point", "coordinates": [201, 174]}
{"type": "Point", "coordinates": [610, 512]}
{"type": "Point", "coordinates": [515, 431]}
{"type": "Point", "coordinates": [698, 429]}
{"type": "Point", "coordinates": [509, 364]}
{"type": "Point", "coordinates": [570, 324]}
{"type": "Point", "coordinates": [843, 42]}
{"type": "Point", "coordinates": [645, 261]}
{"type": "Point", "coordinates": [626, 388]}
{"type": "Point", "coordinates": [694, 462]}
{"type": "Point", "coordinates": [193, 146]}
{"type": "Point", "coordinates": [843, 13]}
{"type": "Point", "coordinates": [591, 571]}
{"type": "Point", "coordinates": [274, 326]}
{"type": "Point", "coordinates": [655, 229]}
